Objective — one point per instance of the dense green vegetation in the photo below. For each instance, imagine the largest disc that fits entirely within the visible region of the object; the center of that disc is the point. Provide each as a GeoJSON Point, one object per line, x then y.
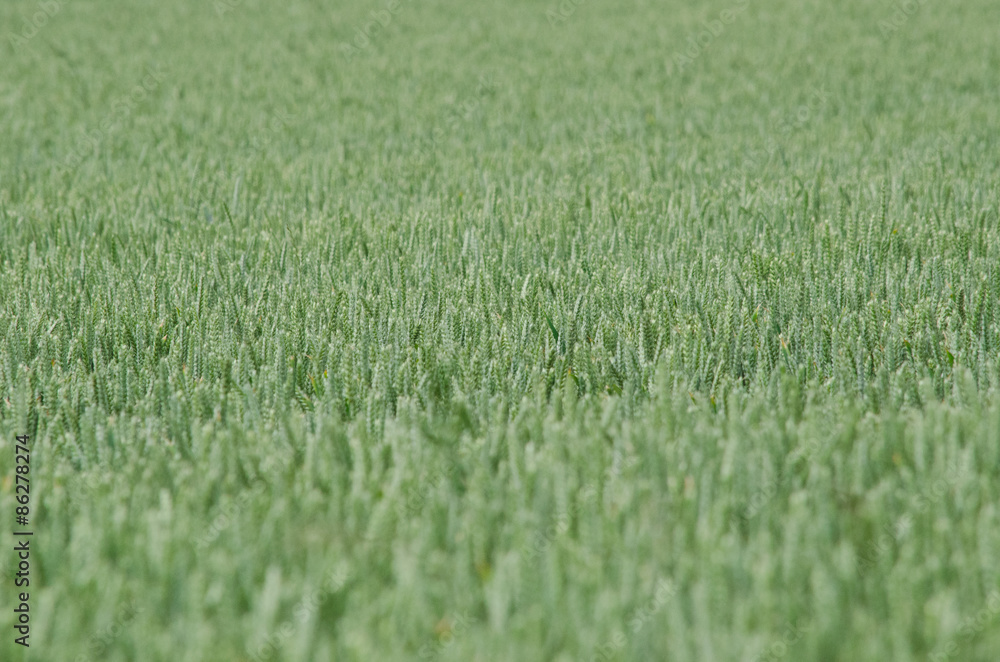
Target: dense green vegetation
{"type": "Point", "coordinates": [592, 331]}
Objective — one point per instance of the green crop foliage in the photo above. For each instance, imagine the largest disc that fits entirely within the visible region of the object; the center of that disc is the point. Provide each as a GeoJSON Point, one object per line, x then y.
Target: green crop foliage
{"type": "Point", "coordinates": [506, 331]}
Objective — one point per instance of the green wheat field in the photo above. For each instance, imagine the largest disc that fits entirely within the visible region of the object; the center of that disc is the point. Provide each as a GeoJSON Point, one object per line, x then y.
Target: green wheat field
{"type": "Point", "coordinates": [573, 330]}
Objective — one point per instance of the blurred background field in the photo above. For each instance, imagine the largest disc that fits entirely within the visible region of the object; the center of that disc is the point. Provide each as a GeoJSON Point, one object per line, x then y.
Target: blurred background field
{"type": "Point", "coordinates": [524, 330]}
